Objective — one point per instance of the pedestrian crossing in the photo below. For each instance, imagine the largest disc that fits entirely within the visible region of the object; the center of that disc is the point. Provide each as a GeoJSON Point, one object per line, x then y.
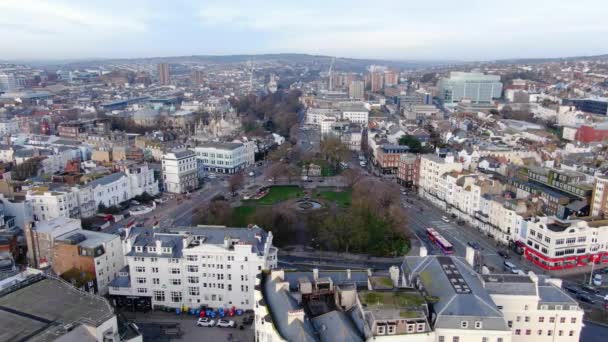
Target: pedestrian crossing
{"type": "Point", "coordinates": [441, 225]}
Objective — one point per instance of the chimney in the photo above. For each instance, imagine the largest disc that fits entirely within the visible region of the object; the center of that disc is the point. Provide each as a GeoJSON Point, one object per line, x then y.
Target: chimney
{"type": "Point", "coordinates": [315, 274]}
{"type": "Point", "coordinates": [293, 315]}
{"type": "Point", "coordinates": [348, 275]}
{"type": "Point", "coordinates": [423, 251]}
{"type": "Point", "coordinates": [158, 246]}
{"type": "Point", "coordinates": [470, 256]}
{"type": "Point", "coordinates": [394, 273]}
{"type": "Point", "coordinates": [369, 272]}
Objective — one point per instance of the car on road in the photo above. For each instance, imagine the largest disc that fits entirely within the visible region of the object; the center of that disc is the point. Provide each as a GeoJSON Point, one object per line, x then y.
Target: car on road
{"type": "Point", "coordinates": [571, 289]}
{"type": "Point", "coordinates": [474, 245]}
{"type": "Point", "coordinates": [205, 322]}
{"type": "Point", "coordinates": [251, 174]}
{"type": "Point", "coordinates": [590, 289]}
{"type": "Point", "coordinates": [585, 298]}
{"type": "Point", "coordinates": [212, 176]}
{"type": "Point", "coordinates": [503, 254]}
{"type": "Point", "coordinates": [224, 323]}
{"type": "Point", "coordinates": [446, 220]}
{"type": "Point", "coordinates": [597, 279]}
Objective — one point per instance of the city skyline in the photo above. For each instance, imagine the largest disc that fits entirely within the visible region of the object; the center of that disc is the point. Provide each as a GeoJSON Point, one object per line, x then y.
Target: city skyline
{"type": "Point", "coordinates": [384, 29]}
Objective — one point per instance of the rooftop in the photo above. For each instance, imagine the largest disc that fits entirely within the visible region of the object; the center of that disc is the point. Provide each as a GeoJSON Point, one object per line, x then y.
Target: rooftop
{"type": "Point", "coordinates": [40, 311]}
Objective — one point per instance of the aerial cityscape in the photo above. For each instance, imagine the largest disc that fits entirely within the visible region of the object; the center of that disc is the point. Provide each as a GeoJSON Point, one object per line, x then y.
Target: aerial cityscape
{"type": "Point", "coordinates": [273, 172]}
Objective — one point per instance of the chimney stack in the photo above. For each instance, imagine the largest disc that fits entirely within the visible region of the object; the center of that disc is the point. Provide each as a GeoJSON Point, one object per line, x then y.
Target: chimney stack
{"type": "Point", "coordinates": [348, 275]}
{"type": "Point", "coordinates": [315, 274]}
{"type": "Point", "coordinates": [394, 273]}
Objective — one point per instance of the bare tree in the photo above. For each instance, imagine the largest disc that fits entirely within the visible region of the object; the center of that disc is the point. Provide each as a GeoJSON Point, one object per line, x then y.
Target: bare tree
{"type": "Point", "coordinates": [334, 151]}
{"type": "Point", "coordinates": [235, 182]}
{"type": "Point", "coordinates": [352, 177]}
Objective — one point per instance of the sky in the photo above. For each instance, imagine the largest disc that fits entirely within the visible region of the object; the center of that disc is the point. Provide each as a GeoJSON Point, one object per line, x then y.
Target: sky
{"type": "Point", "coordinates": [465, 30]}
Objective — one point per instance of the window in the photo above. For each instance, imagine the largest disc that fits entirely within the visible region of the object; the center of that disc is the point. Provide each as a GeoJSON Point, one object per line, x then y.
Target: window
{"type": "Point", "coordinates": [141, 280]}
{"type": "Point", "coordinates": [510, 324]}
{"type": "Point", "coordinates": [540, 332]}
{"type": "Point", "coordinates": [142, 290]}
{"type": "Point", "coordinates": [518, 319]}
{"type": "Point", "coordinates": [194, 291]}
{"type": "Point", "coordinates": [456, 339]}
{"type": "Point", "coordinates": [551, 319]}
{"type": "Point", "coordinates": [441, 339]}
{"type": "Point", "coordinates": [499, 339]}
{"type": "Point", "coordinates": [560, 333]}
{"type": "Point", "coordinates": [192, 268]}
{"type": "Point", "coordinates": [176, 296]}
{"type": "Point", "coordinates": [410, 328]}
{"type": "Point", "coordinates": [549, 332]}
{"type": "Point", "coordinates": [153, 259]}
{"type": "Point", "coordinates": [571, 333]}
{"type": "Point", "coordinates": [572, 320]}
{"type": "Point", "coordinates": [420, 327]}
{"type": "Point", "coordinates": [174, 271]}
{"type": "Point", "coordinates": [484, 339]}
{"type": "Point", "coordinates": [478, 325]}
{"type": "Point", "coordinates": [140, 269]}
{"type": "Point", "coordinates": [173, 261]}
{"type": "Point", "coordinates": [155, 281]}
{"type": "Point", "coordinates": [192, 257]}
{"type": "Point", "coordinates": [527, 319]}
{"type": "Point", "coordinates": [176, 281]}
{"type": "Point", "coordinates": [526, 307]}
{"type": "Point", "coordinates": [517, 331]}
{"type": "Point", "coordinates": [464, 324]}
{"type": "Point", "coordinates": [151, 249]}
{"type": "Point", "coordinates": [528, 332]}
{"type": "Point", "coordinates": [562, 319]}
{"type": "Point", "coordinates": [391, 329]}
{"type": "Point", "coordinates": [154, 269]}
{"type": "Point", "coordinates": [193, 280]}
{"type": "Point", "coordinates": [159, 296]}
{"type": "Point", "coordinates": [541, 319]}
{"type": "Point", "coordinates": [381, 329]}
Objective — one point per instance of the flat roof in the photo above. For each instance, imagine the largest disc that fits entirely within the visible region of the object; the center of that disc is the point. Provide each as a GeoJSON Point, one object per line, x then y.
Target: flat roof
{"type": "Point", "coordinates": [39, 311]}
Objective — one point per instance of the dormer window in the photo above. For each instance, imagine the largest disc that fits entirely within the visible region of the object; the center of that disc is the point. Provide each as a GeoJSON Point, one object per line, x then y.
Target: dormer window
{"type": "Point", "coordinates": [138, 249]}
{"type": "Point", "coordinates": [152, 249]}
{"type": "Point", "coordinates": [464, 324]}
{"type": "Point", "coordinates": [381, 329]}
{"type": "Point", "coordinates": [478, 325]}
{"type": "Point", "coordinates": [166, 250]}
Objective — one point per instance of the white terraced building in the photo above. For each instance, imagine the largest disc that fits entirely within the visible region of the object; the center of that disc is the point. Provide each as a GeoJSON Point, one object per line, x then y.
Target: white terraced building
{"type": "Point", "coordinates": [180, 172]}
{"type": "Point", "coordinates": [212, 266]}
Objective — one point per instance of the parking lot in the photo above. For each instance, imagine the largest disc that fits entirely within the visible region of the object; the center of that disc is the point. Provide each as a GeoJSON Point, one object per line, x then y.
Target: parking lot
{"type": "Point", "coordinates": [156, 326]}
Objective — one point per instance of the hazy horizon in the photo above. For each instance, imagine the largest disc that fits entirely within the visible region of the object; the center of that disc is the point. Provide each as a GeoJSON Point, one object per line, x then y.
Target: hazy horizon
{"type": "Point", "coordinates": [469, 30]}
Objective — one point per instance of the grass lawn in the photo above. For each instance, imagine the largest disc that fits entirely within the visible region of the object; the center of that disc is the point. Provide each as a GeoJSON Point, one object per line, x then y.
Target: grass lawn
{"type": "Point", "coordinates": [279, 194]}
{"type": "Point", "coordinates": [341, 198]}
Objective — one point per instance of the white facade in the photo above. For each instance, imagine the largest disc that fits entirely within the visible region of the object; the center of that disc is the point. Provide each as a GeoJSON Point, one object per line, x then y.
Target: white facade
{"type": "Point", "coordinates": [141, 179]}
{"type": "Point", "coordinates": [476, 87]}
{"type": "Point", "coordinates": [9, 127]}
{"type": "Point", "coordinates": [110, 190]}
{"type": "Point", "coordinates": [47, 205]}
{"type": "Point", "coordinates": [180, 171]}
{"type": "Point", "coordinates": [224, 157]}
{"type": "Point", "coordinates": [213, 266]}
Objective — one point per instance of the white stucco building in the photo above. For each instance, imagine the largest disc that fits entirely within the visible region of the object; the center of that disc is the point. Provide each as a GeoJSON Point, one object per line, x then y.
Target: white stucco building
{"type": "Point", "coordinates": [223, 157]}
{"type": "Point", "coordinates": [195, 266]}
{"type": "Point", "coordinates": [180, 171]}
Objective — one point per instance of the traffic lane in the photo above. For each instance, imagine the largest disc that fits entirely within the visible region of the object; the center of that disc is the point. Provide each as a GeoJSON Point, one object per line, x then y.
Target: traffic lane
{"type": "Point", "coordinates": [594, 332]}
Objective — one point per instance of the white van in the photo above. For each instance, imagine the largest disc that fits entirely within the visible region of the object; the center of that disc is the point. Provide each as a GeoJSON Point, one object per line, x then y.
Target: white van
{"type": "Point", "coordinates": [508, 266]}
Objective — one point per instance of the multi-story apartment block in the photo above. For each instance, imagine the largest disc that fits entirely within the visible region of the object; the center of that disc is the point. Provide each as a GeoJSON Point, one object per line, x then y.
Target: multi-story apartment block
{"type": "Point", "coordinates": [9, 127]}
{"type": "Point", "coordinates": [555, 244]}
{"type": "Point", "coordinates": [535, 308]}
{"type": "Point", "coordinates": [599, 199]}
{"type": "Point", "coordinates": [388, 157]}
{"type": "Point", "coordinates": [141, 179]}
{"type": "Point", "coordinates": [223, 157]}
{"type": "Point", "coordinates": [180, 171]}
{"type": "Point", "coordinates": [195, 266]}
{"type": "Point", "coordinates": [48, 204]}
{"type": "Point", "coordinates": [97, 255]}
{"type": "Point", "coordinates": [356, 90]}
{"type": "Point", "coordinates": [408, 170]}
{"type": "Point", "coordinates": [355, 112]}
{"type": "Point", "coordinates": [41, 237]}
{"type": "Point", "coordinates": [476, 87]}
{"type": "Point", "coordinates": [432, 168]}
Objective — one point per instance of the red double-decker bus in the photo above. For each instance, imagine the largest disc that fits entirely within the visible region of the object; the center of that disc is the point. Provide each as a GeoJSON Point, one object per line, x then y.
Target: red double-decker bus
{"type": "Point", "coordinates": [440, 241]}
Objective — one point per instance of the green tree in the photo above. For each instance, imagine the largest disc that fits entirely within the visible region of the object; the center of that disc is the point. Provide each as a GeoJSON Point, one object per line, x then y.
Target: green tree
{"type": "Point", "coordinates": [411, 142]}
{"type": "Point", "coordinates": [27, 169]}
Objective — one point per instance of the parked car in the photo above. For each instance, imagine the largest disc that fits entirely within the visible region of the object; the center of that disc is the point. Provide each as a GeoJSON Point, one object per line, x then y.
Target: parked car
{"type": "Point", "coordinates": [212, 176]}
{"type": "Point", "coordinates": [571, 289]}
{"type": "Point", "coordinates": [251, 174]}
{"type": "Point", "coordinates": [590, 289]}
{"type": "Point", "coordinates": [445, 219]}
{"type": "Point", "coordinates": [205, 322]}
{"type": "Point", "coordinates": [503, 254]}
{"type": "Point", "coordinates": [224, 323]}
{"type": "Point", "coordinates": [585, 298]}
{"type": "Point", "coordinates": [474, 245]}
{"type": "Point", "coordinates": [597, 280]}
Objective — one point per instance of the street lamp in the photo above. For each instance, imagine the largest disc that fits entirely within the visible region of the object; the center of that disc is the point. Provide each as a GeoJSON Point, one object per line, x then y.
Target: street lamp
{"type": "Point", "coordinates": [593, 260]}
